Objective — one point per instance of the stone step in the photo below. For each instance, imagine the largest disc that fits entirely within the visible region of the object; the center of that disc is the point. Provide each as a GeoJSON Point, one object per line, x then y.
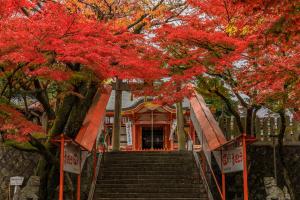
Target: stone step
{"type": "Point", "coordinates": [150, 161]}
{"type": "Point", "coordinates": [143, 176]}
{"type": "Point", "coordinates": [157, 172]}
{"type": "Point", "coordinates": [138, 165]}
{"type": "Point", "coordinates": [121, 198]}
{"type": "Point", "coordinates": [151, 185]}
{"type": "Point", "coordinates": [149, 175]}
{"type": "Point", "coordinates": [144, 181]}
{"type": "Point", "coordinates": [150, 190]}
{"type": "Point", "coordinates": [149, 195]}
{"type": "Point", "coordinates": [177, 168]}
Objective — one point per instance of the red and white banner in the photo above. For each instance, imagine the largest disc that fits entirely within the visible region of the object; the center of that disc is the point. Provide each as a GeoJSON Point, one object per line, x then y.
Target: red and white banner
{"type": "Point", "coordinates": [232, 160]}
{"type": "Point", "coordinates": [72, 158]}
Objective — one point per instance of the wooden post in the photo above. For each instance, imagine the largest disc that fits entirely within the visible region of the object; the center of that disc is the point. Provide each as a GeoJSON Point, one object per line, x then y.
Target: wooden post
{"type": "Point", "coordinates": [61, 175]}
{"type": "Point", "coordinates": [180, 127]}
{"type": "Point", "coordinates": [245, 173]}
{"type": "Point", "coordinates": [117, 116]}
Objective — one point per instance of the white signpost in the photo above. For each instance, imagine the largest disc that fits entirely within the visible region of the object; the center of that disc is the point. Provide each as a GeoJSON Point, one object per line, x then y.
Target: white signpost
{"type": "Point", "coordinates": [232, 160]}
{"type": "Point", "coordinates": [129, 133]}
{"type": "Point", "coordinates": [72, 158]}
{"type": "Point", "coordinates": [16, 180]}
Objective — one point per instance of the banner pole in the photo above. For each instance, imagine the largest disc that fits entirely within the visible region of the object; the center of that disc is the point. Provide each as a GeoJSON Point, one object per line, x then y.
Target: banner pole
{"type": "Point", "coordinates": [245, 173]}
{"type": "Point", "coordinates": [61, 175]}
{"type": "Point", "coordinates": [223, 186]}
{"type": "Point", "coordinates": [223, 178]}
{"type": "Point", "coordinates": [79, 179]}
{"type": "Point", "coordinates": [78, 186]}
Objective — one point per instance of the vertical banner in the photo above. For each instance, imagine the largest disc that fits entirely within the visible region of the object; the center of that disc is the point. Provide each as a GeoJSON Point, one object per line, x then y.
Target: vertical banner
{"type": "Point", "coordinates": [72, 158]}
{"type": "Point", "coordinates": [232, 160]}
{"type": "Point", "coordinates": [129, 132]}
{"type": "Point", "coordinates": [173, 128]}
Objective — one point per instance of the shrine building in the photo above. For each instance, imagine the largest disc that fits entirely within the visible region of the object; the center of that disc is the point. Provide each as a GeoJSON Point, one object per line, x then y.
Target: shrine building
{"type": "Point", "coordinates": [145, 125]}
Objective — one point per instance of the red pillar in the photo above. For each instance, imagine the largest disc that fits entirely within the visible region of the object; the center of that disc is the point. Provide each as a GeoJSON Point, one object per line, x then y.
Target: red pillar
{"type": "Point", "coordinates": [95, 161]}
{"type": "Point", "coordinates": [78, 186]}
{"type": "Point", "coordinates": [61, 175]}
{"type": "Point", "coordinates": [245, 173]}
{"type": "Point", "coordinates": [79, 180]}
{"type": "Point", "coordinates": [134, 136]}
{"type": "Point", "coordinates": [223, 186]}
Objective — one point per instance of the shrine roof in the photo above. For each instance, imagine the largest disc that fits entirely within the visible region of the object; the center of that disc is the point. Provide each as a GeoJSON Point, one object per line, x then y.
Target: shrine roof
{"type": "Point", "coordinates": [129, 103]}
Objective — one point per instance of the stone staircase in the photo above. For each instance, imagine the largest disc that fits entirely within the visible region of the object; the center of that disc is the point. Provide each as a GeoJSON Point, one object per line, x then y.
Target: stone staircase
{"type": "Point", "coordinates": [149, 175]}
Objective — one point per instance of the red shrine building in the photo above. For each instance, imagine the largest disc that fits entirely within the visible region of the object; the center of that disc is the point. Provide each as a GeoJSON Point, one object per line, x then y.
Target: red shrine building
{"type": "Point", "coordinates": [145, 125]}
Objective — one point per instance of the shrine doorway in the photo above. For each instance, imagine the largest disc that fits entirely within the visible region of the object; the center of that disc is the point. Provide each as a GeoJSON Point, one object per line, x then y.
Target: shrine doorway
{"type": "Point", "coordinates": [152, 138]}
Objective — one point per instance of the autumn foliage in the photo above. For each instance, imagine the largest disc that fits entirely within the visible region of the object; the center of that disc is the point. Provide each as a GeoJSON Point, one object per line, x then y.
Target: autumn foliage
{"type": "Point", "coordinates": [167, 45]}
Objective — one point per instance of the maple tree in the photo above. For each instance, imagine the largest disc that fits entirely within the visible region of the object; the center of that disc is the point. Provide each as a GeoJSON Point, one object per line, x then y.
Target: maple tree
{"type": "Point", "coordinates": [59, 53]}
{"type": "Point", "coordinates": [268, 73]}
{"type": "Point", "coordinates": [59, 58]}
{"type": "Point", "coordinates": [271, 60]}
{"type": "Point", "coordinates": [138, 17]}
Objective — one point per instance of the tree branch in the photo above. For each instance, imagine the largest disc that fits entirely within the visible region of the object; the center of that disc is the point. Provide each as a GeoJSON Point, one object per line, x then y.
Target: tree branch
{"type": "Point", "coordinates": [43, 99]}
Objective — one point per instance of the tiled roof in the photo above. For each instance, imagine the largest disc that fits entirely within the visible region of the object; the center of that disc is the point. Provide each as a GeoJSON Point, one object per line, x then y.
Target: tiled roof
{"type": "Point", "coordinates": [128, 103]}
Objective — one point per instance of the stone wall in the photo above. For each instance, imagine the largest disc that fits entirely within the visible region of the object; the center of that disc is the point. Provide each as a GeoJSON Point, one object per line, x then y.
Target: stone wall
{"type": "Point", "coordinates": [14, 163]}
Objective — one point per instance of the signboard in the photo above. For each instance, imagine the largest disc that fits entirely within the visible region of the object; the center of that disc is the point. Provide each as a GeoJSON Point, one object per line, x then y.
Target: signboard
{"type": "Point", "coordinates": [232, 160]}
{"type": "Point", "coordinates": [16, 180]}
{"type": "Point", "coordinates": [129, 133]}
{"type": "Point", "coordinates": [72, 158]}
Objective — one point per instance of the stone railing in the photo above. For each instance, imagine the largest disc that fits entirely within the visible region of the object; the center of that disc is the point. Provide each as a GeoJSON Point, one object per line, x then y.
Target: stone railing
{"type": "Point", "coordinates": [264, 128]}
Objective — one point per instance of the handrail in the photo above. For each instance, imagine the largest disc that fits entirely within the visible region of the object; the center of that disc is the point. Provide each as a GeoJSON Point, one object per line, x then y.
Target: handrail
{"type": "Point", "coordinates": [197, 160]}
{"type": "Point", "coordinates": [93, 185]}
{"type": "Point", "coordinates": [216, 181]}
{"type": "Point", "coordinates": [202, 174]}
{"type": "Point", "coordinates": [209, 134]}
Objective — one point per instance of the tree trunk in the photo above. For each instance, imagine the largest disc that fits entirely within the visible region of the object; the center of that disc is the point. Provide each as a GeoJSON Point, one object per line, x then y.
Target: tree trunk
{"type": "Point", "coordinates": [249, 120]}
{"type": "Point", "coordinates": [80, 109]}
{"type": "Point", "coordinates": [69, 118]}
{"type": "Point", "coordinates": [117, 117]}
{"type": "Point", "coordinates": [180, 127]}
{"type": "Point", "coordinates": [286, 176]}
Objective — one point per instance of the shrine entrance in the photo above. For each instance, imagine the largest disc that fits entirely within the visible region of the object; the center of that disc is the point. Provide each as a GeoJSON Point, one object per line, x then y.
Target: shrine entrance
{"type": "Point", "coordinates": [152, 138]}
